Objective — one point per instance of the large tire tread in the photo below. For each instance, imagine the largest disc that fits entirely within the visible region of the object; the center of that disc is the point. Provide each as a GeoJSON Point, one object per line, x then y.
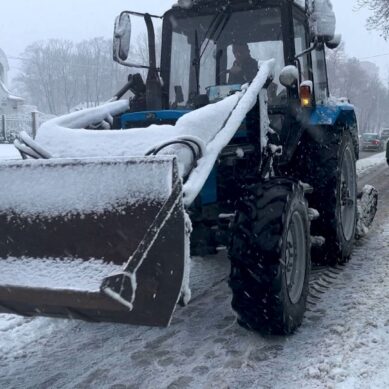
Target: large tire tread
{"type": "Point", "coordinates": [318, 163]}
{"type": "Point", "coordinates": [257, 273]}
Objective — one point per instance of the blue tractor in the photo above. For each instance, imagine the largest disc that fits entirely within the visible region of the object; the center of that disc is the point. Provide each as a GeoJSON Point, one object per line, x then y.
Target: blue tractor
{"type": "Point", "coordinates": [294, 146]}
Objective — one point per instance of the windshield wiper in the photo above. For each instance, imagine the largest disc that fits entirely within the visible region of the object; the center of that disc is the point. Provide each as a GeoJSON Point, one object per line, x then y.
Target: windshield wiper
{"type": "Point", "coordinates": [225, 19]}
{"type": "Point", "coordinates": [211, 30]}
{"type": "Point", "coordinates": [196, 62]}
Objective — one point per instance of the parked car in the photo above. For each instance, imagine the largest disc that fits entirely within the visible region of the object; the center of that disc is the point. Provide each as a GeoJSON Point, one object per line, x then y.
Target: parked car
{"type": "Point", "coordinates": [371, 141]}
{"type": "Point", "coordinates": [385, 134]}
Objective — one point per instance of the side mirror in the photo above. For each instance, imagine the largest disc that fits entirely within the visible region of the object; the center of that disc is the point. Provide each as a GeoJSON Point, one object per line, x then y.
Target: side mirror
{"type": "Point", "coordinates": [289, 76]}
{"type": "Point", "coordinates": [334, 42]}
{"type": "Point", "coordinates": [122, 37]}
{"type": "Point", "coordinates": [322, 20]}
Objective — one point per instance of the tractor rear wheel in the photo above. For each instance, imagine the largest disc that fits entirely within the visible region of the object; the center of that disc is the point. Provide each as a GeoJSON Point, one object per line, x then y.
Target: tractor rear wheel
{"type": "Point", "coordinates": [270, 257]}
{"type": "Point", "coordinates": [332, 173]}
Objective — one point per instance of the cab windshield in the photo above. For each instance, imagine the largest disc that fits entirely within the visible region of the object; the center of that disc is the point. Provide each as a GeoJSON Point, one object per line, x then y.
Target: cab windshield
{"type": "Point", "coordinates": [223, 49]}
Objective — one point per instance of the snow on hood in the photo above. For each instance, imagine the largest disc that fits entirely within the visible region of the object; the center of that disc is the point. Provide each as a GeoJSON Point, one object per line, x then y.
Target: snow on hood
{"type": "Point", "coordinates": [214, 124]}
{"type": "Point", "coordinates": [221, 139]}
{"type": "Point", "coordinates": [64, 137]}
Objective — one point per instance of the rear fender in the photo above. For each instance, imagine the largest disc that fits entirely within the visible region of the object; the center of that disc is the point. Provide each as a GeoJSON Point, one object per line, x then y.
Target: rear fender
{"type": "Point", "coordinates": [329, 115]}
{"type": "Point", "coordinates": [337, 118]}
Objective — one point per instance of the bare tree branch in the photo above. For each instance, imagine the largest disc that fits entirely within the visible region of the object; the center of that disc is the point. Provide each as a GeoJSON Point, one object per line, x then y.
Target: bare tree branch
{"type": "Point", "coordinates": [380, 18]}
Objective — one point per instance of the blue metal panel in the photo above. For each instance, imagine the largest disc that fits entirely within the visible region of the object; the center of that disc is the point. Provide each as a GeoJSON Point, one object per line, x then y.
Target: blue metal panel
{"type": "Point", "coordinates": [155, 115]}
{"type": "Point", "coordinates": [208, 194]}
{"type": "Point", "coordinates": [328, 114]}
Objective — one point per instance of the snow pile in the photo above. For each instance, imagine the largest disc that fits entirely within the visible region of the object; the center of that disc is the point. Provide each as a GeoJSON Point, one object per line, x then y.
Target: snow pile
{"type": "Point", "coordinates": [365, 165]}
{"type": "Point", "coordinates": [57, 274]}
{"type": "Point", "coordinates": [63, 187]}
{"type": "Point", "coordinates": [289, 75]}
{"type": "Point", "coordinates": [225, 134]}
{"type": "Point", "coordinates": [344, 102]}
{"type": "Point", "coordinates": [322, 21]}
{"type": "Point", "coordinates": [8, 152]}
{"type": "Point", "coordinates": [83, 118]}
{"type": "Point", "coordinates": [367, 209]}
{"type": "Point", "coordinates": [63, 137]}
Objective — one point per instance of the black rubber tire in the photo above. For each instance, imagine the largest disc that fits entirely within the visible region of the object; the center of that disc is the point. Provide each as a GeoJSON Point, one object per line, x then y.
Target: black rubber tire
{"type": "Point", "coordinates": [257, 252]}
{"type": "Point", "coordinates": [322, 169]}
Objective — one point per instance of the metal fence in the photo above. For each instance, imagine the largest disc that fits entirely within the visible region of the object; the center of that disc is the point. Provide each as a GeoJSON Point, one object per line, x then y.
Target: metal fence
{"type": "Point", "coordinates": [11, 126]}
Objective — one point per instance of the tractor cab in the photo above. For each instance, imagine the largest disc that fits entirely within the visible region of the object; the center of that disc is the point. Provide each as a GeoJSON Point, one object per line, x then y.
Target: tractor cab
{"type": "Point", "coordinates": [210, 54]}
{"type": "Point", "coordinates": [210, 48]}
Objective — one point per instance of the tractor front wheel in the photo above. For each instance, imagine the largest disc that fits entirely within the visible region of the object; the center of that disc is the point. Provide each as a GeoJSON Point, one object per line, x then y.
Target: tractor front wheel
{"type": "Point", "coordinates": [270, 257]}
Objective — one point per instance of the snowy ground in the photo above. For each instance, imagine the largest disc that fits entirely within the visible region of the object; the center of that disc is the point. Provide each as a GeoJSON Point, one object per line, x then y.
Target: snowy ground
{"type": "Point", "coordinates": [8, 152]}
{"type": "Point", "coordinates": [342, 343]}
{"type": "Point", "coordinates": [366, 165]}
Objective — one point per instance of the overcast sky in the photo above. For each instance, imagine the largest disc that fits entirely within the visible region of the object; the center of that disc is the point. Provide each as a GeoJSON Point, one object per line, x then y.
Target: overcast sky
{"type": "Point", "coordinates": [25, 21]}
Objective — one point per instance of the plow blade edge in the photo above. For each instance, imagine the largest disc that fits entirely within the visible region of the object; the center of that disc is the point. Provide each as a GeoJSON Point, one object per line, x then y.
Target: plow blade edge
{"type": "Point", "coordinates": [92, 239]}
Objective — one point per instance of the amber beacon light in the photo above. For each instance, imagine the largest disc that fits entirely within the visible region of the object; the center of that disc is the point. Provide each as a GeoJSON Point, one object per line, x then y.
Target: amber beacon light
{"type": "Point", "coordinates": [306, 95]}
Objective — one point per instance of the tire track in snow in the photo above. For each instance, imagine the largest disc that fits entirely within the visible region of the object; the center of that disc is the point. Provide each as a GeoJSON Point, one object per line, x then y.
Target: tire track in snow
{"type": "Point", "coordinates": [204, 347]}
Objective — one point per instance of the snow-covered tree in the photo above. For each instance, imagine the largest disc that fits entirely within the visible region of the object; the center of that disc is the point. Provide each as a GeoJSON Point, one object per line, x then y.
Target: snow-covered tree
{"type": "Point", "coordinates": [380, 17]}
{"type": "Point", "coordinates": [361, 83]}
{"type": "Point", "coordinates": [58, 75]}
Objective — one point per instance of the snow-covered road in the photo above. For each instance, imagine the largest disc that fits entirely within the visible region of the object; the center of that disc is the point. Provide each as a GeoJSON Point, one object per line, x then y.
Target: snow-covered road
{"type": "Point", "coordinates": [342, 343]}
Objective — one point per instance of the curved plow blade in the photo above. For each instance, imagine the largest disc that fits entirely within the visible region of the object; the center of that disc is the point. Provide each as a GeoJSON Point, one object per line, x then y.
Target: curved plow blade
{"type": "Point", "coordinates": [92, 239]}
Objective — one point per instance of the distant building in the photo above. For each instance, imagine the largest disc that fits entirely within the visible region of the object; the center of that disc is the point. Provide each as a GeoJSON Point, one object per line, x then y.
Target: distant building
{"type": "Point", "coordinates": [18, 115]}
{"type": "Point", "coordinates": [4, 67]}
{"type": "Point", "coordinates": [370, 68]}
{"type": "Point", "coordinates": [9, 103]}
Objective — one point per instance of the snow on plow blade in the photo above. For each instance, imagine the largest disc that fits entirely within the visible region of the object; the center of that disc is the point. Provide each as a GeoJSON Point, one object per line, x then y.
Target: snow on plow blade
{"type": "Point", "coordinates": [92, 239]}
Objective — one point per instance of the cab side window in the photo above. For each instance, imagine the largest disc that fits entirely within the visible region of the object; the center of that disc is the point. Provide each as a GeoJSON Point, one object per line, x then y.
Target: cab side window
{"type": "Point", "coordinates": [320, 76]}
{"type": "Point", "coordinates": [300, 43]}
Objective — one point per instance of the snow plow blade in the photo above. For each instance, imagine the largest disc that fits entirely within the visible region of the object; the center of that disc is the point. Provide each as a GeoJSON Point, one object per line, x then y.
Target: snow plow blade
{"type": "Point", "coordinates": [92, 239]}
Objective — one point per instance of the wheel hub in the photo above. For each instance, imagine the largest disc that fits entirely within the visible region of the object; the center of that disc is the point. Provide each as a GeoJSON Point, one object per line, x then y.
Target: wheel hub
{"type": "Point", "coordinates": [345, 196]}
{"type": "Point", "coordinates": [295, 258]}
{"type": "Point", "coordinates": [348, 194]}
